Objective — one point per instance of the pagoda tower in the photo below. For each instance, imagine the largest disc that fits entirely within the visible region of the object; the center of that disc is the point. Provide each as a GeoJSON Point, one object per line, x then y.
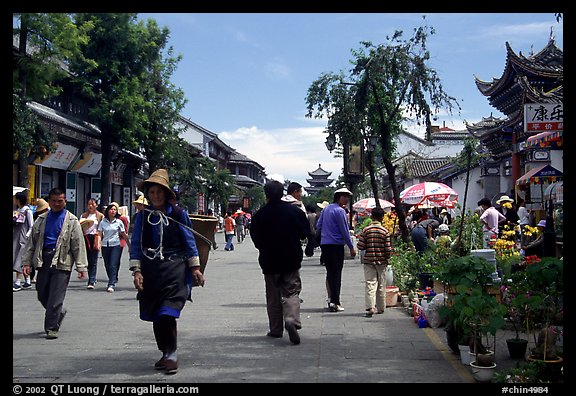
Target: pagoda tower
{"type": "Point", "coordinates": [319, 180]}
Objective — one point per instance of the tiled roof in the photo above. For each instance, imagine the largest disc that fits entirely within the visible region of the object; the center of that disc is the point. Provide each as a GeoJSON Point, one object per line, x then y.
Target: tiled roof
{"type": "Point", "coordinates": [425, 167]}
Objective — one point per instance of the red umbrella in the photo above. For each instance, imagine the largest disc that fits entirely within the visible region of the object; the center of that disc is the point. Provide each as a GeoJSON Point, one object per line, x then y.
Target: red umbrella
{"type": "Point", "coordinates": [428, 191]}
{"type": "Point", "coordinates": [238, 212]}
{"type": "Point", "coordinates": [437, 204]}
{"type": "Point", "coordinates": [367, 204]}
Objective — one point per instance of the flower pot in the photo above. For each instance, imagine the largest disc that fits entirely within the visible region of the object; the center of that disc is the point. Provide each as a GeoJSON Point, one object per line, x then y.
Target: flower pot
{"type": "Point", "coordinates": [517, 347]}
{"type": "Point", "coordinates": [551, 370]}
{"type": "Point", "coordinates": [484, 359]}
{"type": "Point", "coordinates": [482, 374]}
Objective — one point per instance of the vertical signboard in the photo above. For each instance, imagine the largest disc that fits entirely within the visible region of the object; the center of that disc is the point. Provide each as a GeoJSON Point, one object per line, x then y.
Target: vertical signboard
{"type": "Point", "coordinates": [96, 189]}
{"type": "Point", "coordinates": [71, 191]}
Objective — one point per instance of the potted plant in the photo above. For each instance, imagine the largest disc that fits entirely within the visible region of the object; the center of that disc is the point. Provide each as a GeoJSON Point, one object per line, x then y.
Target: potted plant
{"type": "Point", "coordinates": [471, 312]}
{"type": "Point", "coordinates": [515, 313]}
{"type": "Point", "coordinates": [543, 302]}
{"type": "Point", "coordinates": [525, 372]}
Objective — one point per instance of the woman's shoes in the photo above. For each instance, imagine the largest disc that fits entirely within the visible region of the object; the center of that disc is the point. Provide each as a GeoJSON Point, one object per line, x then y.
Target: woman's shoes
{"type": "Point", "coordinates": [369, 312]}
{"type": "Point", "coordinates": [169, 366]}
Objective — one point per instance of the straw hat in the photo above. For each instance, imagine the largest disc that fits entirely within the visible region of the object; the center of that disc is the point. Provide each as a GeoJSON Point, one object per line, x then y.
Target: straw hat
{"type": "Point", "coordinates": [323, 204]}
{"type": "Point", "coordinates": [159, 176]}
{"type": "Point", "coordinates": [86, 223]}
{"type": "Point", "coordinates": [140, 200]}
{"type": "Point", "coordinates": [504, 198]}
{"type": "Point", "coordinates": [41, 205]}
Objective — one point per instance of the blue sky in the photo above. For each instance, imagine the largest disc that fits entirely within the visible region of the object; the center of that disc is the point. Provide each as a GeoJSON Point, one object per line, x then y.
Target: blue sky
{"type": "Point", "coordinates": [246, 75]}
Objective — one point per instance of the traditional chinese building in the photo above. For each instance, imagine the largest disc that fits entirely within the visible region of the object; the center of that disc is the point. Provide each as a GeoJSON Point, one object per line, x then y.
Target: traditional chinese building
{"type": "Point", "coordinates": [530, 87]}
{"type": "Point", "coordinates": [319, 180]}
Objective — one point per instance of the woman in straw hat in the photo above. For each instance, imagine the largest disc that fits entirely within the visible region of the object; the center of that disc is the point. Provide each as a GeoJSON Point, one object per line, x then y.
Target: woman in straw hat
{"type": "Point", "coordinates": [508, 209]}
{"type": "Point", "coordinates": [91, 239]}
{"type": "Point", "coordinates": [140, 203]}
{"type": "Point", "coordinates": [164, 261]}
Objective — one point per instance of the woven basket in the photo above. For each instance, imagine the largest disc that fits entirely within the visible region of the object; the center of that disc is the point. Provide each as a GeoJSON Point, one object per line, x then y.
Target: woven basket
{"type": "Point", "coordinates": [204, 225]}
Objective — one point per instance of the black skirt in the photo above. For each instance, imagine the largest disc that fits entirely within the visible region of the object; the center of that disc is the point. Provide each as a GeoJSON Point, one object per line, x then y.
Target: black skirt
{"type": "Point", "coordinates": [165, 288]}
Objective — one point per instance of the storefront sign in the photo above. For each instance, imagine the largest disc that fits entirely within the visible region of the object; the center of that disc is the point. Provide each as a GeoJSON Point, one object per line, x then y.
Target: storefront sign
{"type": "Point", "coordinates": [116, 177]}
{"type": "Point", "coordinates": [543, 117]}
{"type": "Point", "coordinates": [59, 159]}
{"type": "Point", "coordinates": [90, 164]}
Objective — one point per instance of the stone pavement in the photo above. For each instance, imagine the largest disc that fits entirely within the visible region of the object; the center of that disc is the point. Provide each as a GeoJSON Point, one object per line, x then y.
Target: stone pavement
{"type": "Point", "coordinates": [221, 335]}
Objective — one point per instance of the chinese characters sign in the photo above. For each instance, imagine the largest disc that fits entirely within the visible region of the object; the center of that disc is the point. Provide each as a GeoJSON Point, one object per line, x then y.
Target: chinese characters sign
{"type": "Point", "coordinates": [60, 159]}
{"type": "Point", "coordinates": [543, 117]}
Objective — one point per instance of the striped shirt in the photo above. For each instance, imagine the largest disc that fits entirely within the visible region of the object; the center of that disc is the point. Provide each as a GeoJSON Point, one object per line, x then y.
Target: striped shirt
{"type": "Point", "coordinates": [375, 239]}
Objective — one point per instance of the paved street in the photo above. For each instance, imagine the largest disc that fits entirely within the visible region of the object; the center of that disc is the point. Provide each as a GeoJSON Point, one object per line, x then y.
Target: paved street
{"type": "Point", "coordinates": [221, 334]}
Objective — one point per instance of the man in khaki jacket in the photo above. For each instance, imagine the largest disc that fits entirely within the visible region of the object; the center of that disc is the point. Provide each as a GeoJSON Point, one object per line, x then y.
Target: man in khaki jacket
{"type": "Point", "coordinates": [55, 245]}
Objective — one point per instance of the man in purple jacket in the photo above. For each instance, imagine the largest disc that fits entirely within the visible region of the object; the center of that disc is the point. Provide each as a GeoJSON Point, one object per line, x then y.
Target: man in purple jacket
{"type": "Point", "coordinates": [334, 231]}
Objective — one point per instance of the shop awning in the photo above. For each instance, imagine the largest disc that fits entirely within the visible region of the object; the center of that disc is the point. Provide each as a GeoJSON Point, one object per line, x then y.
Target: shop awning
{"type": "Point", "coordinates": [545, 139]}
{"type": "Point", "coordinates": [544, 173]}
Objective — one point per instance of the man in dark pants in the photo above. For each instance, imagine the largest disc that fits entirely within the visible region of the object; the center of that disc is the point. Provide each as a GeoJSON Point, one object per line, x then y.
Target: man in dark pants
{"type": "Point", "coordinates": [54, 246]}
{"type": "Point", "coordinates": [276, 231]}
{"type": "Point", "coordinates": [334, 235]}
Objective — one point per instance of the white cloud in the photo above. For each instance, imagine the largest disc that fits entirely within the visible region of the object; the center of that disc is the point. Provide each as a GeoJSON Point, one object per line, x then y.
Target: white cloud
{"type": "Point", "coordinates": [287, 153]}
{"type": "Point", "coordinates": [521, 32]}
{"type": "Point", "coordinates": [277, 177]}
{"type": "Point", "coordinates": [277, 69]}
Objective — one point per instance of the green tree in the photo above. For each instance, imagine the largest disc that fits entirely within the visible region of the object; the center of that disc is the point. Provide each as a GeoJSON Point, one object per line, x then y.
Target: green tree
{"type": "Point", "coordinates": [324, 194]}
{"type": "Point", "coordinates": [47, 43]}
{"type": "Point", "coordinates": [386, 81]}
{"type": "Point", "coordinates": [30, 139]}
{"type": "Point", "coordinates": [257, 197]}
{"type": "Point", "coordinates": [134, 105]}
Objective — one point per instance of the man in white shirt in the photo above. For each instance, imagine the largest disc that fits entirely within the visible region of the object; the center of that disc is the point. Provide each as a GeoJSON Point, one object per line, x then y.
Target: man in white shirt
{"type": "Point", "coordinates": [490, 219]}
{"type": "Point", "coordinates": [294, 195]}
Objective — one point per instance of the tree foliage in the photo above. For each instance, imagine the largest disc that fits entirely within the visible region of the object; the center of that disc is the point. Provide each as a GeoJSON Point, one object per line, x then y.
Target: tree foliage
{"type": "Point", "coordinates": [386, 83]}
{"type": "Point", "coordinates": [29, 137]}
{"type": "Point", "coordinates": [47, 43]}
{"type": "Point", "coordinates": [135, 105]}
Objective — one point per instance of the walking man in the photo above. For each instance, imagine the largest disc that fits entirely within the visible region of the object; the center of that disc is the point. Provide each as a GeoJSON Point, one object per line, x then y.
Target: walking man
{"type": "Point", "coordinates": [55, 245]}
{"type": "Point", "coordinates": [375, 240]}
{"type": "Point", "coordinates": [334, 234]}
{"type": "Point", "coordinates": [276, 231]}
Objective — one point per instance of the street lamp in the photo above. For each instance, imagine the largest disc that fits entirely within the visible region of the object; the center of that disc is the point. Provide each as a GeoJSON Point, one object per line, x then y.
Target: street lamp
{"type": "Point", "coordinates": [330, 142]}
{"type": "Point", "coordinates": [372, 142]}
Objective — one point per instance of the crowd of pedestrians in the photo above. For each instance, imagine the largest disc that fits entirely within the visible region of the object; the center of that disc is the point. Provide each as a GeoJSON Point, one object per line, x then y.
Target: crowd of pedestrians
{"type": "Point", "coordinates": [164, 258]}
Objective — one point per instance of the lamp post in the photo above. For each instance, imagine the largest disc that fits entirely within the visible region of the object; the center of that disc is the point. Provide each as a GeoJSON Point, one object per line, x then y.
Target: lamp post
{"type": "Point", "coordinates": [353, 155]}
{"type": "Point", "coordinates": [330, 142]}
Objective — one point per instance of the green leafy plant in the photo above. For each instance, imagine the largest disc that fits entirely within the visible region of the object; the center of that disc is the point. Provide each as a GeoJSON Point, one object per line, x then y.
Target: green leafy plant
{"type": "Point", "coordinates": [537, 292]}
{"type": "Point", "coordinates": [525, 372]}
{"type": "Point", "coordinates": [472, 310]}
